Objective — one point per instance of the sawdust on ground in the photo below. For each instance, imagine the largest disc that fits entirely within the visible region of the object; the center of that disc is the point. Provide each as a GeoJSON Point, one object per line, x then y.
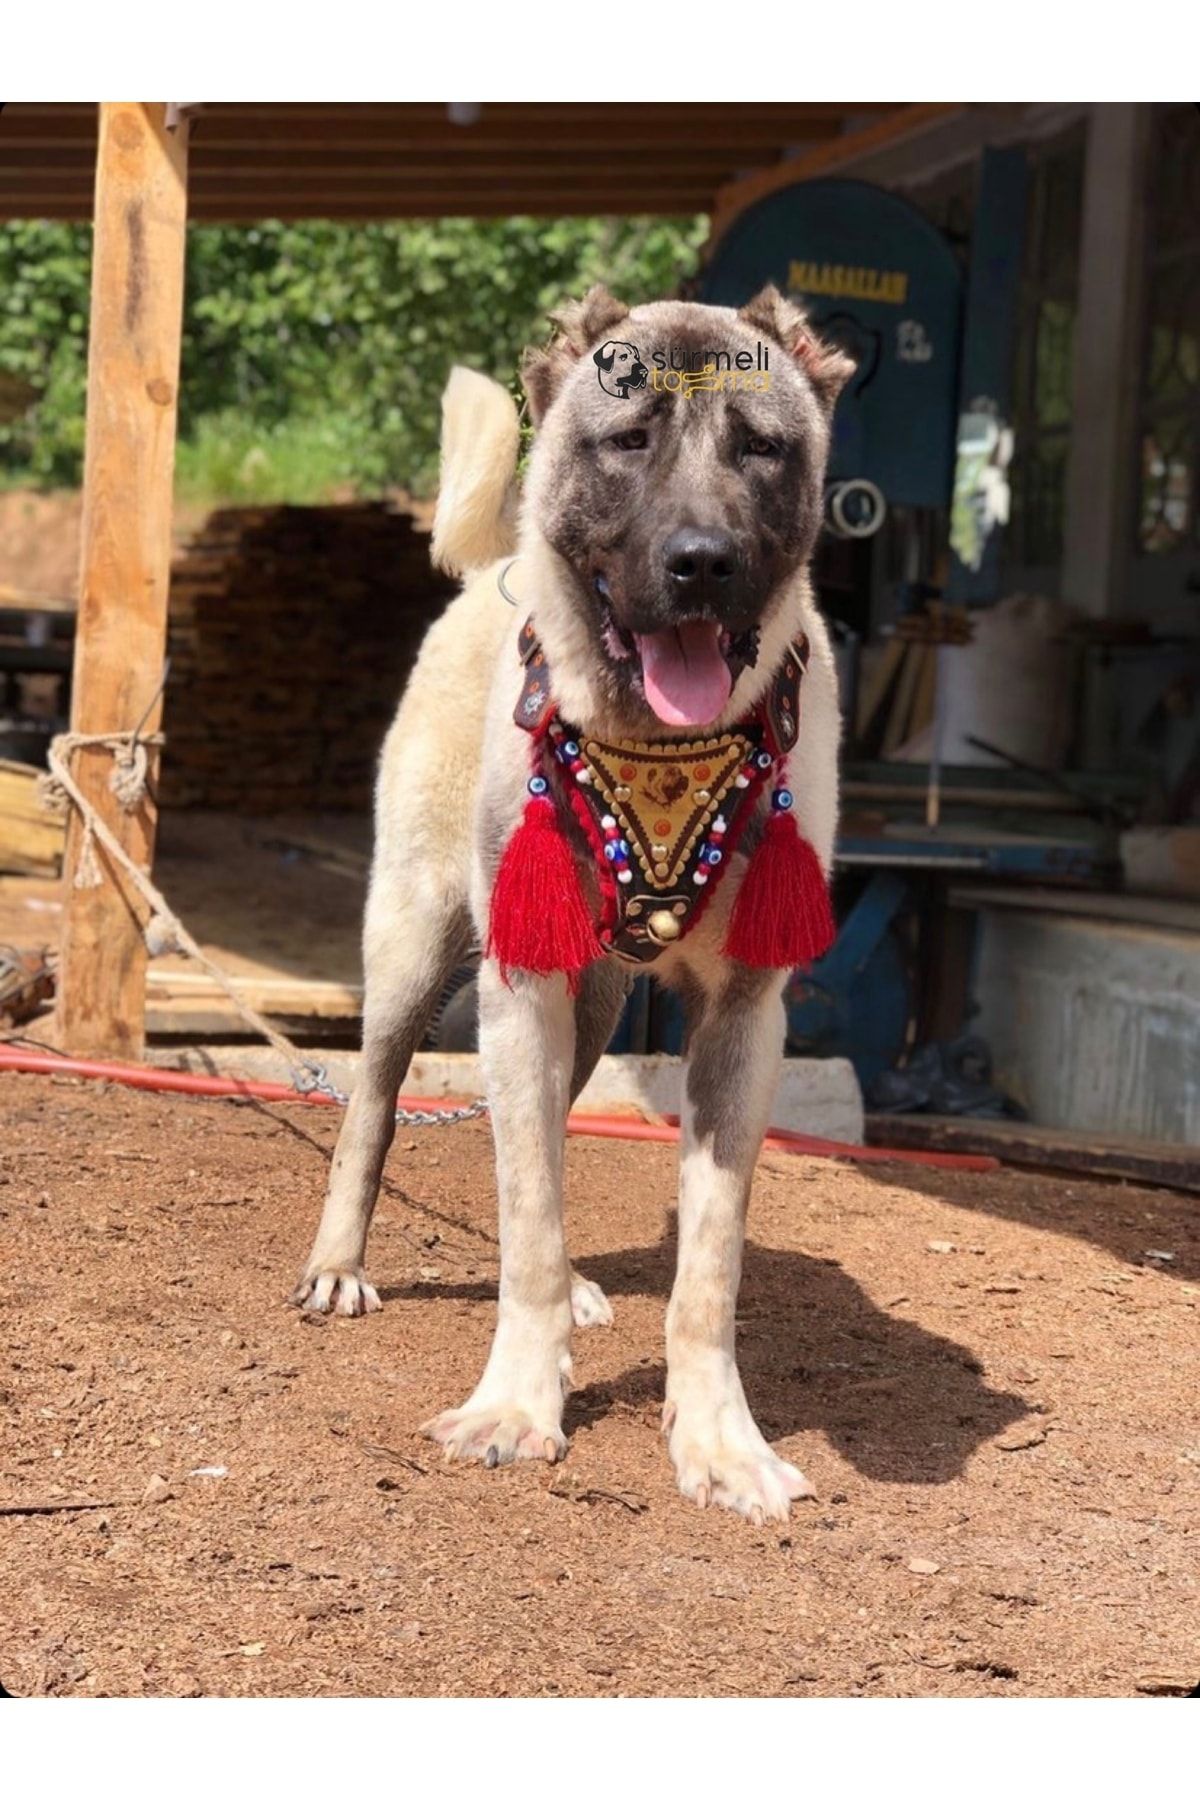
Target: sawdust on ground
{"type": "Point", "coordinates": [1004, 1434]}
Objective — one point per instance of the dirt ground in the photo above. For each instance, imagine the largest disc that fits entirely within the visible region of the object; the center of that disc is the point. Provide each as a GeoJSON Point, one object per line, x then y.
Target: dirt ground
{"type": "Point", "coordinates": [1004, 1435]}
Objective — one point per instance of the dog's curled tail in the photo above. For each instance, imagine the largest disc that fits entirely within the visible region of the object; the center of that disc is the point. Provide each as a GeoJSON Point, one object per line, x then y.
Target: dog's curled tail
{"type": "Point", "coordinates": [476, 513]}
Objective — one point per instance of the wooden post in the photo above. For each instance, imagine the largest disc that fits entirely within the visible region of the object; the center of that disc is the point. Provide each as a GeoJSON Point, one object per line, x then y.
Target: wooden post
{"type": "Point", "coordinates": [129, 462]}
{"type": "Point", "coordinates": [1102, 462]}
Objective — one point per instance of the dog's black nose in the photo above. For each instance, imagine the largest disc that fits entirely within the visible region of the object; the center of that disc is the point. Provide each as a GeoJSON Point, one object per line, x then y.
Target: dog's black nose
{"type": "Point", "coordinates": [699, 560]}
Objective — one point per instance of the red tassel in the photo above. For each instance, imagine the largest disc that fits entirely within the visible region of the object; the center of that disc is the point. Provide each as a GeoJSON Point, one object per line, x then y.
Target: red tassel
{"type": "Point", "coordinates": [539, 917]}
{"type": "Point", "coordinates": [782, 916]}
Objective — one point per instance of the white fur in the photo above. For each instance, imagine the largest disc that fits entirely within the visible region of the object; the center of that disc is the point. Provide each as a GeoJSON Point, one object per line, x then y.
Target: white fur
{"type": "Point", "coordinates": [476, 509]}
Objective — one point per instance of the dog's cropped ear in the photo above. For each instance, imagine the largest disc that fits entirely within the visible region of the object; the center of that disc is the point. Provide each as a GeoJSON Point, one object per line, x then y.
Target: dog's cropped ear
{"type": "Point", "coordinates": [578, 325]}
{"type": "Point", "coordinates": [603, 357]}
{"type": "Point", "coordinates": [826, 365]}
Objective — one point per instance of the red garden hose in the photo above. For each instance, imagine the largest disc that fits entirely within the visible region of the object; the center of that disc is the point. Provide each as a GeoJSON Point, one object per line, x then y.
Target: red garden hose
{"type": "Point", "coordinates": [225, 1087]}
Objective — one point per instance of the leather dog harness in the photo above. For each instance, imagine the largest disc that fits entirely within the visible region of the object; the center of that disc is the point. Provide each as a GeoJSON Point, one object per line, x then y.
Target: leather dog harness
{"type": "Point", "coordinates": [662, 818]}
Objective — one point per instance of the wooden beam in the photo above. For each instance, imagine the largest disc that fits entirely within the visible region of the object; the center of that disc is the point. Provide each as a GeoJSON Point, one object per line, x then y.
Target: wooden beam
{"type": "Point", "coordinates": [303, 161]}
{"type": "Point", "coordinates": [425, 130]}
{"type": "Point", "coordinates": [899, 123]}
{"type": "Point", "coordinates": [129, 459]}
{"type": "Point", "coordinates": [1141, 1159]}
{"type": "Point", "coordinates": [469, 204]}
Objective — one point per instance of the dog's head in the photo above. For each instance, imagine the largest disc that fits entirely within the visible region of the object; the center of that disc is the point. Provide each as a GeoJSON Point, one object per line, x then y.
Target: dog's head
{"type": "Point", "coordinates": [619, 368]}
{"type": "Point", "coordinates": [678, 526]}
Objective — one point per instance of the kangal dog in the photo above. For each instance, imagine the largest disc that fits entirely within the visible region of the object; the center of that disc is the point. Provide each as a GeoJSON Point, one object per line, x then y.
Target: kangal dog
{"type": "Point", "coordinates": [659, 557]}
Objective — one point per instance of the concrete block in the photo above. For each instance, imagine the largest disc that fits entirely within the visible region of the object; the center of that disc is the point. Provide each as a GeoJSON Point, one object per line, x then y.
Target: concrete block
{"type": "Point", "coordinates": [818, 1096]}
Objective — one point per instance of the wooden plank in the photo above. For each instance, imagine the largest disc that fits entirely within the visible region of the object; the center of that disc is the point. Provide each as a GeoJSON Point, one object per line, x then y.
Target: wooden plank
{"type": "Point", "coordinates": [1150, 910]}
{"type": "Point", "coordinates": [875, 689]}
{"type": "Point", "coordinates": [16, 599]}
{"type": "Point", "coordinates": [285, 159]}
{"type": "Point", "coordinates": [31, 840]}
{"type": "Point", "coordinates": [413, 160]}
{"type": "Point", "coordinates": [896, 730]}
{"type": "Point", "coordinates": [284, 996]}
{"type": "Point", "coordinates": [426, 129]}
{"type": "Point", "coordinates": [896, 125]}
{"type": "Point", "coordinates": [129, 458]}
{"type": "Point", "coordinates": [999, 799]}
{"type": "Point", "coordinates": [288, 178]}
{"type": "Point", "coordinates": [1148, 1160]}
{"type": "Point", "coordinates": [467, 202]}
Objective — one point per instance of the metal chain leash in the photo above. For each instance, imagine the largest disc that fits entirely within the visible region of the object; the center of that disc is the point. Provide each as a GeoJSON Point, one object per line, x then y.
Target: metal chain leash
{"type": "Point", "coordinates": [313, 1078]}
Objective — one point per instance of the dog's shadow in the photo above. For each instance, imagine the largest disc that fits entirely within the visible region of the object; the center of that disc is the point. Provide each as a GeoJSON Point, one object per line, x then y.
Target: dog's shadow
{"type": "Point", "coordinates": [899, 1402]}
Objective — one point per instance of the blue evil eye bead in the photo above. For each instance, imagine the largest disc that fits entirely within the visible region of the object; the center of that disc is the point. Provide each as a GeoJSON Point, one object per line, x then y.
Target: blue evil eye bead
{"type": "Point", "coordinates": [763, 759]}
{"type": "Point", "coordinates": [713, 856]}
{"type": "Point", "coordinates": [781, 799]}
{"type": "Point", "coordinates": [623, 846]}
{"type": "Point", "coordinates": [538, 784]}
{"type": "Point", "coordinates": [571, 748]}
{"type": "Point", "coordinates": [610, 852]}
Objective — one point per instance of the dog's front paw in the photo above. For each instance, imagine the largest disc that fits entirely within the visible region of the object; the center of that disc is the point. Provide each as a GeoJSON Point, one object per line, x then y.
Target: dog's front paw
{"type": "Point", "coordinates": [724, 1461]}
{"type": "Point", "coordinates": [589, 1303]}
{"type": "Point", "coordinates": [344, 1291]}
{"type": "Point", "coordinates": [497, 1434]}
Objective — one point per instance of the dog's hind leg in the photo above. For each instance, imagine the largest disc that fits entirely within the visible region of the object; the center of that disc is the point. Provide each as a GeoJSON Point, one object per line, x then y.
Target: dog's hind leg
{"type": "Point", "coordinates": [602, 993]}
{"type": "Point", "coordinates": [415, 933]}
{"type": "Point", "coordinates": [734, 1050]}
{"type": "Point", "coordinates": [527, 1041]}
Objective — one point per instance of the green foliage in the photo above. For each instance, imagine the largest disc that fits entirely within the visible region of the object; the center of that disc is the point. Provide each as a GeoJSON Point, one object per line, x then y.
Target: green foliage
{"type": "Point", "coordinates": [314, 355]}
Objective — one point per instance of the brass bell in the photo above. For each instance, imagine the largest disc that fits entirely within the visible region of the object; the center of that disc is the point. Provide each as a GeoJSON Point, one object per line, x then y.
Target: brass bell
{"type": "Point", "coordinates": [663, 926]}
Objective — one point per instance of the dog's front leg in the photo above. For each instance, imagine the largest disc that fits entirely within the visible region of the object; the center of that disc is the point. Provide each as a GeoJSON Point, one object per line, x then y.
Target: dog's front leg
{"type": "Point", "coordinates": [734, 1051]}
{"type": "Point", "coordinates": [527, 1041]}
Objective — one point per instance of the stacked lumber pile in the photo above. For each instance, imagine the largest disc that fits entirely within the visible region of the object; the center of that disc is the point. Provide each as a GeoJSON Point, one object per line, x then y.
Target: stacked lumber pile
{"type": "Point", "coordinates": [291, 632]}
{"type": "Point", "coordinates": [31, 840]}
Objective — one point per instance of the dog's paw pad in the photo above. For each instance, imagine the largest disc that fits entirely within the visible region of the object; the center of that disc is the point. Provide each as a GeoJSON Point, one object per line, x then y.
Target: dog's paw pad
{"type": "Point", "coordinates": [495, 1436]}
{"type": "Point", "coordinates": [344, 1291]}
{"type": "Point", "coordinates": [589, 1304]}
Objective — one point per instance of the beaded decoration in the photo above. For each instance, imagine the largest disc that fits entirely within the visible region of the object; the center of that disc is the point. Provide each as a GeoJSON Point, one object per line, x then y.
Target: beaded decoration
{"type": "Point", "coordinates": [662, 820]}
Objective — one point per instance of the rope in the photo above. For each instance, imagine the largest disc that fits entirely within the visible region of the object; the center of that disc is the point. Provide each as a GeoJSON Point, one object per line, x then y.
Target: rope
{"type": "Point", "coordinates": [165, 930]}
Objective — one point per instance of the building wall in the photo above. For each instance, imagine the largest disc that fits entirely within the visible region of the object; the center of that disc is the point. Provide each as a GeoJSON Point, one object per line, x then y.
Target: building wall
{"type": "Point", "coordinates": [1093, 1026]}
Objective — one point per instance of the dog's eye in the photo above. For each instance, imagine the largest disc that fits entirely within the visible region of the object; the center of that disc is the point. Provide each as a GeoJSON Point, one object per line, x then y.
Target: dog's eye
{"type": "Point", "coordinates": [761, 446]}
{"type": "Point", "coordinates": [629, 440]}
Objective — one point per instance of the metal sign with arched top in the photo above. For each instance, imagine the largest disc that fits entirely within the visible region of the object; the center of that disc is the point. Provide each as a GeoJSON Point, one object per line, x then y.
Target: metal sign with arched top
{"type": "Point", "coordinates": [875, 274]}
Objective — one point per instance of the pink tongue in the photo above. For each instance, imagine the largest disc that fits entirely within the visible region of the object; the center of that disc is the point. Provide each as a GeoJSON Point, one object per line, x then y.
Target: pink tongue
{"type": "Point", "coordinates": [687, 680]}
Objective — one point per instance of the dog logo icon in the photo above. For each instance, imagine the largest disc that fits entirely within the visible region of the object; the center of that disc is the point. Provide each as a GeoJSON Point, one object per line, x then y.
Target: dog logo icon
{"type": "Point", "coordinates": [619, 368]}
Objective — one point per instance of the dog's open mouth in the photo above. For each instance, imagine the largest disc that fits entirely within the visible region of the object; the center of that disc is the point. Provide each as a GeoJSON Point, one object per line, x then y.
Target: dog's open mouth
{"type": "Point", "coordinates": [686, 673]}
